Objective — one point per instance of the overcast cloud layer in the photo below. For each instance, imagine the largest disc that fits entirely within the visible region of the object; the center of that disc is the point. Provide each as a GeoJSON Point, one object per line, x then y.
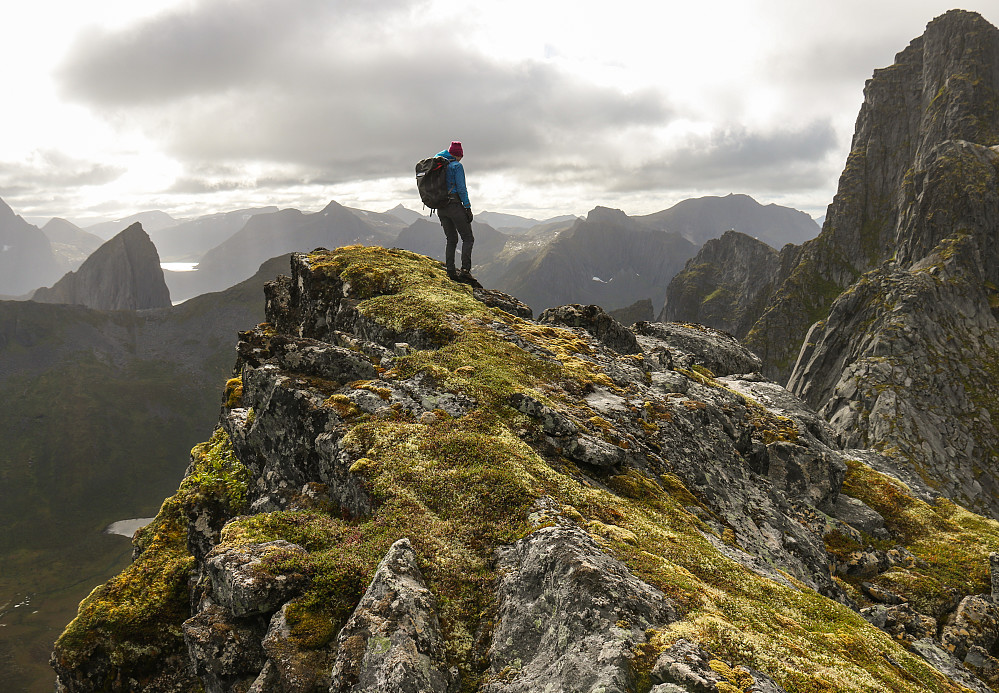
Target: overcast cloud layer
{"type": "Point", "coordinates": [209, 105]}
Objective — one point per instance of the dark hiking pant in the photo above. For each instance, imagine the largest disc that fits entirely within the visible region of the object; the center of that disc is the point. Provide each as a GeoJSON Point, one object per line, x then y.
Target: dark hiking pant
{"type": "Point", "coordinates": [455, 223]}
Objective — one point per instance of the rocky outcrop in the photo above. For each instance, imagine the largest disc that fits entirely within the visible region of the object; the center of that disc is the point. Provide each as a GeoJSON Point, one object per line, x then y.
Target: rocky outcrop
{"type": "Point", "coordinates": [726, 285]}
{"type": "Point", "coordinates": [686, 667]}
{"type": "Point", "coordinates": [393, 641]}
{"type": "Point", "coordinates": [594, 320]}
{"type": "Point", "coordinates": [905, 363]}
{"type": "Point", "coordinates": [242, 585]}
{"type": "Point", "coordinates": [123, 274]}
{"type": "Point", "coordinates": [558, 582]}
{"type": "Point", "coordinates": [413, 489]}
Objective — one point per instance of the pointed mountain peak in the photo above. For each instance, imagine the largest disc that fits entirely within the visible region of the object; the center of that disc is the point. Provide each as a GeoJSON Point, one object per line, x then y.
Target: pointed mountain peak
{"type": "Point", "coordinates": [123, 274]}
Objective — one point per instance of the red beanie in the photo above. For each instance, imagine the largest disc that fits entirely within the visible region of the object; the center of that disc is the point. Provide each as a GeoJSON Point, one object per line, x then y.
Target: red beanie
{"type": "Point", "coordinates": [455, 149]}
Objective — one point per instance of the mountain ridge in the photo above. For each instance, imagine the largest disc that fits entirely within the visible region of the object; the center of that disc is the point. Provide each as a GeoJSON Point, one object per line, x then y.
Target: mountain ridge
{"type": "Point", "coordinates": [399, 449]}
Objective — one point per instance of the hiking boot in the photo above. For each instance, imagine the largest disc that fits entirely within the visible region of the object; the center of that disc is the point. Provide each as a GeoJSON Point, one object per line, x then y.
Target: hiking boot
{"type": "Point", "coordinates": [466, 277]}
{"type": "Point", "coordinates": [453, 274]}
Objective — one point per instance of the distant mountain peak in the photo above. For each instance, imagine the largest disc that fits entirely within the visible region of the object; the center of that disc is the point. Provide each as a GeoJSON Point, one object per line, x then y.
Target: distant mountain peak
{"type": "Point", "coordinates": [607, 215]}
{"type": "Point", "coordinates": [123, 274]}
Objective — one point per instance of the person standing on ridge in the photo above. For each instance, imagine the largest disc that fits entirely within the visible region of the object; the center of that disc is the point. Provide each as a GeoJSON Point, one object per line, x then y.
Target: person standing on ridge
{"type": "Point", "coordinates": [456, 216]}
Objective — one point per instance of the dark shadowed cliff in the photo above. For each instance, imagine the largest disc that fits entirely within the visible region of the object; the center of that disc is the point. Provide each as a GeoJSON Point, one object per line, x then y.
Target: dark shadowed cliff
{"type": "Point", "coordinates": [98, 411]}
{"type": "Point", "coordinates": [727, 284]}
{"type": "Point", "coordinates": [886, 323]}
{"type": "Point", "coordinates": [942, 90]}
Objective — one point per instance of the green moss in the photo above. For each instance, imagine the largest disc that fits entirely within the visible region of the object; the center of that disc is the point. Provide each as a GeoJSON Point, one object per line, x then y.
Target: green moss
{"type": "Point", "coordinates": [706, 372]}
{"type": "Point", "coordinates": [134, 619]}
{"type": "Point", "coordinates": [400, 290]}
{"type": "Point", "coordinates": [217, 475]}
{"type": "Point", "coordinates": [951, 544]}
{"type": "Point", "coordinates": [233, 395]}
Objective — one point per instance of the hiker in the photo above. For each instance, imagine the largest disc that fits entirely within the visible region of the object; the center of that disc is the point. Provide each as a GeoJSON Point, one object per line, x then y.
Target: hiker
{"type": "Point", "coordinates": [456, 216]}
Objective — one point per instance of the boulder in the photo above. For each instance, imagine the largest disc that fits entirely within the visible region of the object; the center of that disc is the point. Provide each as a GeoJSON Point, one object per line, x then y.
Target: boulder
{"type": "Point", "coordinates": [687, 667]}
{"type": "Point", "coordinates": [594, 320]}
{"type": "Point", "coordinates": [224, 651]}
{"type": "Point", "coordinates": [569, 616]}
{"type": "Point", "coordinates": [393, 640]}
{"type": "Point", "coordinates": [900, 621]}
{"type": "Point", "coordinates": [700, 345]}
{"type": "Point", "coordinates": [243, 587]}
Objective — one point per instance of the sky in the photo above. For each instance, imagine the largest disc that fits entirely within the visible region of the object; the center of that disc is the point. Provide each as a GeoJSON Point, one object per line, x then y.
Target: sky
{"type": "Point", "coordinates": [194, 107]}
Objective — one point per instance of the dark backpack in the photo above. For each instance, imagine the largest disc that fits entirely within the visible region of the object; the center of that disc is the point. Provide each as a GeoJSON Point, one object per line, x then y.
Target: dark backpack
{"type": "Point", "coordinates": [431, 181]}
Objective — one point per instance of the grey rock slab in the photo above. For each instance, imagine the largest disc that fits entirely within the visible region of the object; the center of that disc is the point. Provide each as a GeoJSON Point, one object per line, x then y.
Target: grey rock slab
{"type": "Point", "coordinates": [944, 662]}
{"type": "Point", "coordinates": [900, 621]}
{"type": "Point", "coordinates": [242, 586]}
{"type": "Point", "coordinates": [393, 640]}
{"type": "Point", "coordinates": [552, 422]}
{"type": "Point", "coordinates": [974, 623]}
{"type": "Point", "coordinates": [859, 515]}
{"type": "Point", "coordinates": [224, 651]}
{"type": "Point", "coordinates": [692, 345]}
{"type": "Point", "coordinates": [569, 616]}
{"type": "Point", "coordinates": [598, 323]}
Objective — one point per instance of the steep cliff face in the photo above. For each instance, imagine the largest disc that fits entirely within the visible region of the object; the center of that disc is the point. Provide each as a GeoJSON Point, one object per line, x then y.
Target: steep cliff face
{"type": "Point", "coordinates": [906, 360]}
{"type": "Point", "coordinates": [414, 488]}
{"type": "Point", "coordinates": [727, 284]}
{"type": "Point", "coordinates": [942, 89]}
{"type": "Point", "coordinates": [123, 274]}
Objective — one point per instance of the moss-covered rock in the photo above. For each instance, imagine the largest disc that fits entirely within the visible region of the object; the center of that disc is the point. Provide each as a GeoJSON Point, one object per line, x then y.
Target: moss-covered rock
{"type": "Point", "coordinates": [463, 444]}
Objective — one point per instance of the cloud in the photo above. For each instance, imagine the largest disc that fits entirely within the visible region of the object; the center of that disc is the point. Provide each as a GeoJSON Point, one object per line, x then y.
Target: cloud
{"type": "Point", "coordinates": [337, 91]}
{"type": "Point", "coordinates": [209, 46]}
{"type": "Point", "coordinates": [51, 170]}
{"type": "Point", "coordinates": [778, 160]}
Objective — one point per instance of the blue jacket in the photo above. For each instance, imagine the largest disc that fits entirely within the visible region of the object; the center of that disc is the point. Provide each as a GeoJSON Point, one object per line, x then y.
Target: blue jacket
{"type": "Point", "coordinates": [455, 175]}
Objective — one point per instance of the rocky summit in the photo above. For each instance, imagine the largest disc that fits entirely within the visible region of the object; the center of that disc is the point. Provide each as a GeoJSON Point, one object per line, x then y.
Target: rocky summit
{"type": "Point", "coordinates": [919, 160]}
{"type": "Point", "coordinates": [887, 322]}
{"type": "Point", "coordinates": [415, 486]}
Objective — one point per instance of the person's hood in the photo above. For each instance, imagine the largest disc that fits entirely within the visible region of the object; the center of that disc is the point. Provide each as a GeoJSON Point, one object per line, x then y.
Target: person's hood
{"type": "Point", "coordinates": [448, 155]}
